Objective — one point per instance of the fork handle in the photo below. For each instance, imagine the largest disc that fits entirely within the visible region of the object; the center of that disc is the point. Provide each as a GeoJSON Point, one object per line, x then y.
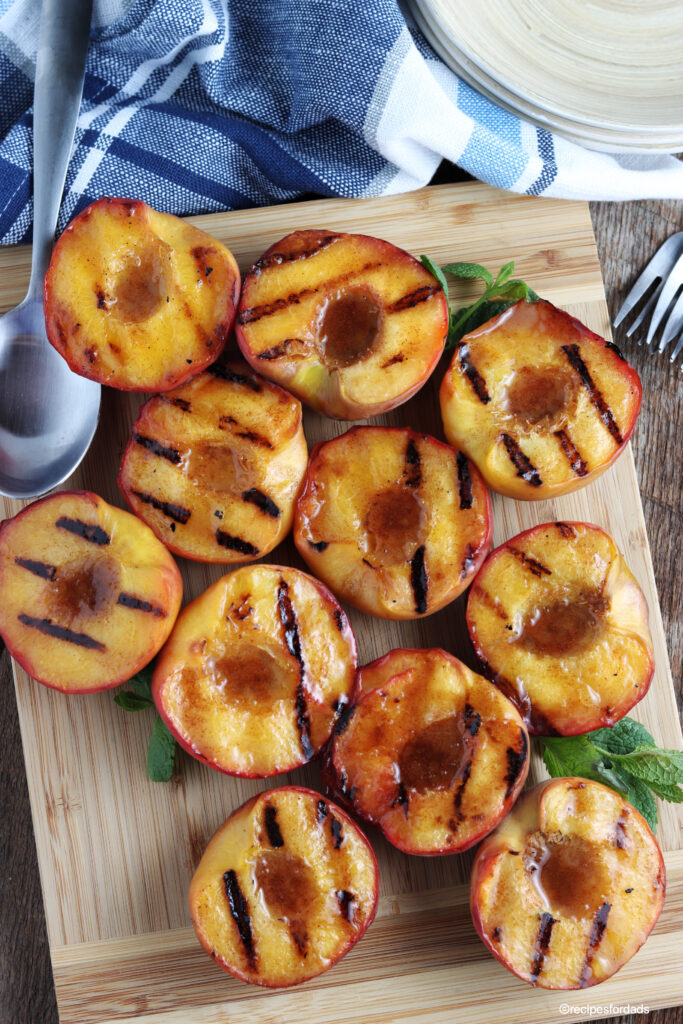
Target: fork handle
{"type": "Point", "coordinates": [60, 70]}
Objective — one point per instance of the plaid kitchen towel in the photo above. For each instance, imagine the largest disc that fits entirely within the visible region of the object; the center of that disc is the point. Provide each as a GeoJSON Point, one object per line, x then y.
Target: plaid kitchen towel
{"type": "Point", "coordinates": [201, 105]}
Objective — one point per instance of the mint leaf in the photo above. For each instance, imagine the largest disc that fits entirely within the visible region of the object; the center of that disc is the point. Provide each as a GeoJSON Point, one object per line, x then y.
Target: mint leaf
{"type": "Point", "coordinates": [639, 795]}
{"type": "Point", "coordinates": [476, 317]}
{"type": "Point", "coordinates": [132, 701]}
{"type": "Point", "coordinates": [471, 271]}
{"type": "Point", "coordinates": [160, 753]}
{"type": "Point", "coordinates": [142, 681]}
{"type": "Point", "coordinates": [623, 737]}
{"type": "Point", "coordinates": [436, 272]}
{"type": "Point", "coordinates": [504, 273]}
{"type": "Point", "coordinates": [652, 765]}
{"type": "Point", "coordinates": [576, 755]}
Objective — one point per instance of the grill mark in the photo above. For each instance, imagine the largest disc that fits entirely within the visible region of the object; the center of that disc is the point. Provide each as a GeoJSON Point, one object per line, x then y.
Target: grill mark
{"type": "Point", "coordinates": [321, 811]}
{"type": "Point", "coordinates": [464, 482]}
{"type": "Point", "coordinates": [614, 348]}
{"type": "Point", "coordinates": [101, 298]}
{"type": "Point", "coordinates": [472, 720]}
{"type": "Point", "coordinates": [277, 258]}
{"type": "Point", "coordinates": [402, 799]}
{"type": "Point", "coordinates": [282, 349]}
{"type": "Point", "coordinates": [225, 373]}
{"type": "Point", "coordinates": [346, 791]}
{"type": "Point", "coordinates": [413, 470]}
{"type": "Point", "coordinates": [131, 601]}
{"type": "Point", "coordinates": [50, 628]}
{"type": "Point", "coordinates": [167, 508]}
{"type": "Point", "coordinates": [572, 453]}
{"type": "Point", "coordinates": [262, 502]}
{"type": "Point", "coordinates": [532, 564]}
{"type": "Point", "coordinates": [156, 448]}
{"type": "Point", "coordinates": [595, 395]}
{"type": "Point", "coordinates": [398, 358]}
{"type": "Point", "coordinates": [542, 944]}
{"type": "Point", "coordinates": [258, 439]}
{"type": "Point", "coordinates": [516, 759]}
{"type": "Point", "coordinates": [180, 403]}
{"type": "Point", "coordinates": [594, 940]}
{"type": "Point", "coordinates": [620, 832]}
{"type": "Point", "coordinates": [467, 561]}
{"type": "Point", "coordinates": [535, 720]}
{"type": "Point", "coordinates": [473, 375]}
{"type": "Point", "coordinates": [414, 298]}
{"type": "Point", "coordinates": [91, 532]}
{"type": "Point", "coordinates": [566, 530]}
{"type": "Point", "coordinates": [319, 545]}
{"type": "Point", "coordinates": [226, 540]}
{"type": "Point", "coordinates": [523, 465]}
{"type": "Point", "coordinates": [339, 619]}
{"type": "Point", "coordinates": [293, 640]}
{"type": "Point", "coordinates": [254, 313]}
{"type": "Point", "coordinates": [200, 254]}
{"type": "Point", "coordinates": [336, 831]}
{"type": "Point", "coordinates": [42, 569]}
{"type": "Point", "coordinates": [345, 899]}
{"type": "Point", "coordinates": [272, 828]}
{"type": "Point", "coordinates": [239, 909]}
{"type": "Point", "coordinates": [346, 713]}
{"type": "Point", "coordinates": [418, 580]}
{"type": "Point", "coordinates": [496, 934]}
{"type": "Point", "coordinates": [487, 598]}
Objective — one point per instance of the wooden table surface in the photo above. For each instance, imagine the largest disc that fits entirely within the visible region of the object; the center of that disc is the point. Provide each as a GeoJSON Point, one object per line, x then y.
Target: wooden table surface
{"type": "Point", "coordinates": [627, 234]}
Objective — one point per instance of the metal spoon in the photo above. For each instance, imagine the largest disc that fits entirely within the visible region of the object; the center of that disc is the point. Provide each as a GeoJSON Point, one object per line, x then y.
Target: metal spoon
{"type": "Point", "coordinates": [48, 414]}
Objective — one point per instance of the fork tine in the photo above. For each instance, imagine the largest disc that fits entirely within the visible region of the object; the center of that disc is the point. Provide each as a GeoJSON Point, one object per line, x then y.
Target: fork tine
{"type": "Point", "coordinates": [674, 324]}
{"type": "Point", "coordinates": [659, 267]}
{"type": "Point", "coordinates": [636, 294]}
{"type": "Point", "coordinates": [645, 311]}
{"type": "Point", "coordinates": [671, 286]}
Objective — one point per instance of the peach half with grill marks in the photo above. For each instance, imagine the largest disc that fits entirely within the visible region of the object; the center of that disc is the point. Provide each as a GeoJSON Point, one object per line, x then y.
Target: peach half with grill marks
{"type": "Point", "coordinates": [350, 324]}
{"type": "Point", "coordinates": [395, 522]}
{"type": "Point", "coordinates": [214, 466]}
{"type": "Point", "coordinates": [88, 594]}
{"type": "Point", "coordinates": [137, 299]}
{"type": "Point", "coordinates": [285, 888]}
{"type": "Point", "coordinates": [431, 753]}
{"type": "Point", "coordinates": [257, 671]}
{"type": "Point", "coordinates": [539, 402]}
{"type": "Point", "coordinates": [569, 886]}
{"type": "Point", "coordinates": [561, 627]}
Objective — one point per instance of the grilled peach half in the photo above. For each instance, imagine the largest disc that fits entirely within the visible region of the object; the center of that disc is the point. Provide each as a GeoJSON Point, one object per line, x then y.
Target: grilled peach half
{"type": "Point", "coordinates": [350, 324]}
{"type": "Point", "coordinates": [214, 466]}
{"type": "Point", "coordinates": [539, 402]}
{"type": "Point", "coordinates": [569, 886]}
{"type": "Point", "coordinates": [137, 299]}
{"type": "Point", "coordinates": [395, 522]}
{"type": "Point", "coordinates": [257, 671]}
{"type": "Point", "coordinates": [432, 753]}
{"type": "Point", "coordinates": [561, 627]}
{"type": "Point", "coordinates": [285, 888]}
{"type": "Point", "coordinates": [88, 594]}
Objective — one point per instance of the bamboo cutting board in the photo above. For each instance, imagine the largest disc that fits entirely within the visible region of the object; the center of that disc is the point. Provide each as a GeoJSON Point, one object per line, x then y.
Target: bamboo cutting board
{"type": "Point", "coordinates": [116, 852]}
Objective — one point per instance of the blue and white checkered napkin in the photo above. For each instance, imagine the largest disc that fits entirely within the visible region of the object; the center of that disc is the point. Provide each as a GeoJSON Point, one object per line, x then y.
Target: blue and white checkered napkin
{"type": "Point", "coordinates": [201, 105]}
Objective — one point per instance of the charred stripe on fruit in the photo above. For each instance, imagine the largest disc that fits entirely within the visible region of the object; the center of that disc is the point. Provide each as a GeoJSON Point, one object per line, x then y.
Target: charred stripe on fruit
{"type": "Point", "coordinates": [319, 545]}
{"type": "Point", "coordinates": [280, 350]}
{"type": "Point", "coordinates": [566, 530]}
{"type": "Point", "coordinates": [606, 415]}
{"type": "Point", "coordinates": [345, 900]}
{"type": "Point", "coordinates": [226, 373]}
{"type": "Point", "coordinates": [516, 759]}
{"type": "Point", "coordinates": [530, 563]}
{"type": "Point", "coordinates": [226, 540]}
{"type": "Point", "coordinates": [572, 453]}
{"type": "Point", "coordinates": [401, 799]}
{"type": "Point", "coordinates": [464, 482]}
{"type": "Point", "coordinates": [472, 374]}
{"type": "Point", "coordinates": [131, 601]}
{"type": "Point", "coordinates": [272, 828]}
{"type": "Point", "coordinates": [339, 619]}
{"type": "Point", "coordinates": [542, 944]}
{"type": "Point", "coordinates": [50, 628]}
{"type": "Point", "coordinates": [239, 908]}
{"type": "Point", "coordinates": [180, 403]}
{"type": "Point", "coordinates": [523, 465]}
{"type": "Point", "coordinates": [620, 832]}
{"type": "Point", "coordinates": [42, 569]}
{"type": "Point", "coordinates": [594, 939]}
{"type": "Point", "coordinates": [472, 720]}
{"type": "Point", "coordinates": [167, 508]}
{"type": "Point", "coordinates": [336, 831]}
{"type": "Point", "coordinates": [91, 532]}
{"type": "Point", "coordinates": [497, 934]}
{"type": "Point", "coordinates": [321, 811]}
{"type": "Point", "coordinates": [262, 502]}
{"type": "Point", "coordinates": [414, 298]}
{"type": "Point", "coordinates": [467, 561]}
{"type": "Point", "coordinates": [346, 713]}
{"type": "Point", "coordinates": [157, 448]}
{"type": "Point", "coordinates": [480, 594]}
{"type": "Point", "coordinates": [398, 358]}
{"type": "Point", "coordinates": [277, 258]}
{"type": "Point", "coordinates": [258, 439]}
{"type": "Point", "coordinates": [413, 470]}
{"type": "Point", "coordinates": [249, 316]}
{"type": "Point", "coordinates": [293, 641]}
{"type": "Point", "coordinates": [418, 580]}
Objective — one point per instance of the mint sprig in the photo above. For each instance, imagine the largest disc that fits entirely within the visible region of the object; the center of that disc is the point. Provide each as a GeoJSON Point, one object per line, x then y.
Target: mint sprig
{"type": "Point", "coordinates": [162, 746]}
{"type": "Point", "coordinates": [499, 294]}
{"type": "Point", "coordinates": [624, 757]}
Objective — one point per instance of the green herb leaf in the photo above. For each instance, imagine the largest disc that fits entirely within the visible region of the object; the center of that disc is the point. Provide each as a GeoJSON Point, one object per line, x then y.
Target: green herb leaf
{"type": "Point", "coordinates": [476, 316]}
{"type": "Point", "coordinates": [436, 272]}
{"type": "Point", "coordinates": [623, 737]}
{"type": "Point", "coordinates": [639, 795]}
{"type": "Point", "coordinates": [160, 753]}
{"type": "Point", "coordinates": [652, 765]}
{"type": "Point", "coordinates": [132, 701]}
{"type": "Point", "coordinates": [471, 271]}
{"type": "Point", "coordinates": [576, 755]}
{"type": "Point", "coordinates": [142, 682]}
{"type": "Point", "coordinates": [504, 273]}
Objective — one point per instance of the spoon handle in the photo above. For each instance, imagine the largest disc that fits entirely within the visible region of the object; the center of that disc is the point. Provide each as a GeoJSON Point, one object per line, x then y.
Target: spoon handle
{"type": "Point", "coordinates": [60, 70]}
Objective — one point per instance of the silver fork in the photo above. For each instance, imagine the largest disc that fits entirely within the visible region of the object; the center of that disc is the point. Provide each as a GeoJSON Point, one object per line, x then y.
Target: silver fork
{"type": "Point", "coordinates": [665, 268]}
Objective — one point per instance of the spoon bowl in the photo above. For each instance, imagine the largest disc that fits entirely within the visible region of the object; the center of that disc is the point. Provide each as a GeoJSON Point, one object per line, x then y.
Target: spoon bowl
{"type": "Point", "coordinates": [48, 414]}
